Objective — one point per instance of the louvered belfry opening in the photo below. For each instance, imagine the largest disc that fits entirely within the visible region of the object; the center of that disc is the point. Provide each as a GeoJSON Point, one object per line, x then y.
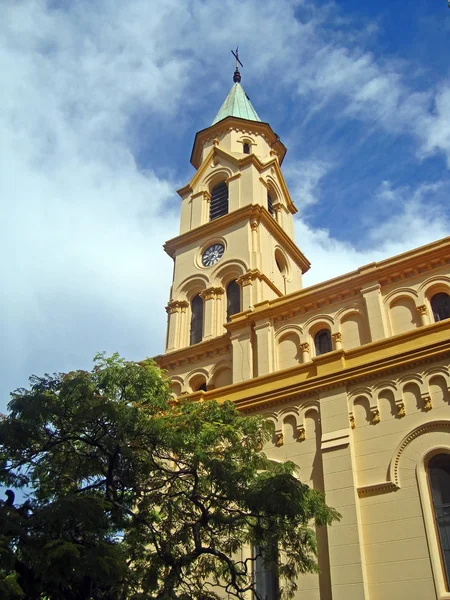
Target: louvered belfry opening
{"type": "Point", "coordinates": [269, 203]}
{"type": "Point", "coordinates": [218, 205]}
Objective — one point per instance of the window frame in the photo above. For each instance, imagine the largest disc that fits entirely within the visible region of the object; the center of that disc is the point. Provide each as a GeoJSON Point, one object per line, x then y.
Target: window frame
{"type": "Point", "coordinates": [193, 334]}
{"type": "Point", "coordinates": [439, 293]}
{"type": "Point", "coordinates": [267, 573]}
{"type": "Point", "coordinates": [432, 534]}
{"type": "Point", "coordinates": [322, 331]}
{"type": "Point", "coordinates": [239, 289]}
{"type": "Point", "coordinates": [219, 206]}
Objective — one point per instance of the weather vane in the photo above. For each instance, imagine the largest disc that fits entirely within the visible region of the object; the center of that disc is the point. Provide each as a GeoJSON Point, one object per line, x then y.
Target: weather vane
{"type": "Point", "coordinates": [237, 75]}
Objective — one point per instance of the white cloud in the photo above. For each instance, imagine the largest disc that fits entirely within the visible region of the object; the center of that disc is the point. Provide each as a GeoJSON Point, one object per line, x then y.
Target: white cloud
{"type": "Point", "coordinates": [404, 218]}
{"type": "Point", "coordinates": [435, 129]}
{"type": "Point", "coordinates": [304, 178]}
{"type": "Point", "coordinates": [83, 223]}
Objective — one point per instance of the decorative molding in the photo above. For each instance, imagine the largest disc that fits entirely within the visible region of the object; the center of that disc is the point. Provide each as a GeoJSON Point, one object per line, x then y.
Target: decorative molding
{"type": "Point", "coordinates": [401, 412]}
{"type": "Point", "coordinates": [249, 212]}
{"type": "Point", "coordinates": [427, 404]}
{"type": "Point", "coordinates": [279, 438]}
{"type": "Point", "coordinates": [371, 288]}
{"type": "Point", "coordinates": [212, 293]}
{"type": "Point", "coordinates": [377, 488]}
{"type": "Point", "coordinates": [335, 439]}
{"type": "Point", "coordinates": [375, 415]}
{"type": "Point", "coordinates": [175, 306]}
{"type": "Point", "coordinates": [250, 276]}
{"type": "Point", "coordinates": [191, 354]}
{"type": "Point", "coordinates": [418, 431]}
{"type": "Point", "coordinates": [422, 309]}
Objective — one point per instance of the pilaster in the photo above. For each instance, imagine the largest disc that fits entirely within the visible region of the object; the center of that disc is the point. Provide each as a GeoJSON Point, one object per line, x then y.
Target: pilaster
{"type": "Point", "coordinates": [346, 548]}
{"type": "Point", "coordinates": [175, 310]}
{"type": "Point", "coordinates": [211, 298]}
{"type": "Point", "coordinates": [375, 313]}
{"type": "Point", "coordinates": [264, 345]}
{"type": "Point", "coordinates": [241, 344]}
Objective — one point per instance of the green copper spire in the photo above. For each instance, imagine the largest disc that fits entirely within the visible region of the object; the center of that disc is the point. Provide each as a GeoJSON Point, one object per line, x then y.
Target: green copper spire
{"type": "Point", "coordinates": [237, 103]}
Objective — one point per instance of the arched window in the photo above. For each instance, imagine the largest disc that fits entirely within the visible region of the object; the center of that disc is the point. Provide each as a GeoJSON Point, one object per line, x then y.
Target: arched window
{"type": "Point", "coordinates": [269, 203]}
{"type": "Point", "coordinates": [196, 320]}
{"type": "Point", "coordinates": [440, 304]}
{"type": "Point", "coordinates": [439, 478]}
{"type": "Point", "coordinates": [218, 205]}
{"type": "Point", "coordinates": [233, 299]}
{"type": "Point", "coordinates": [281, 262]}
{"type": "Point", "coordinates": [322, 342]}
{"type": "Point", "coordinates": [246, 148]}
{"type": "Point", "coordinates": [266, 575]}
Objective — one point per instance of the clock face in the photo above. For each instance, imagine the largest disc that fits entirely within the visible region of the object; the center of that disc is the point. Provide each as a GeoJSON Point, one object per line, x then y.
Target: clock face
{"type": "Point", "coordinates": [212, 255]}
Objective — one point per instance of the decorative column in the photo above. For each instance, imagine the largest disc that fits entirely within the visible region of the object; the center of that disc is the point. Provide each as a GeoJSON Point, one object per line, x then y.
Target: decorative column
{"type": "Point", "coordinates": [184, 324]}
{"type": "Point", "coordinates": [337, 341]}
{"type": "Point", "coordinates": [209, 314]}
{"type": "Point", "coordinates": [375, 313]}
{"type": "Point", "coordinates": [220, 313]}
{"type": "Point", "coordinates": [255, 260]}
{"type": "Point", "coordinates": [245, 281]}
{"type": "Point", "coordinates": [277, 211]}
{"type": "Point", "coordinates": [173, 310]}
{"type": "Point", "coordinates": [200, 209]}
{"type": "Point", "coordinates": [424, 316]}
{"type": "Point", "coordinates": [306, 357]}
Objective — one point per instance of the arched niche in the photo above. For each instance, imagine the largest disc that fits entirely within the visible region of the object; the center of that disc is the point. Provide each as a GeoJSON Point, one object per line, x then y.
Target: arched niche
{"type": "Point", "coordinates": [440, 396]}
{"type": "Point", "coordinates": [289, 354]}
{"type": "Point", "coordinates": [289, 429]}
{"type": "Point", "coordinates": [197, 382]}
{"type": "Point", "coordinates": [412, 397]}
{"type": "Point", "coordinates": [386, 404]}
{"type": "Point", "coordinates": [175, 387]}
{"type": "Point", "coordinates": [403, 315]}
{"type": "Point", "coordinates": [361, 411]}
{"type": "Point", "coordinates": [222, 377]}
{"type": "Point", "coordinates": [354, 331]}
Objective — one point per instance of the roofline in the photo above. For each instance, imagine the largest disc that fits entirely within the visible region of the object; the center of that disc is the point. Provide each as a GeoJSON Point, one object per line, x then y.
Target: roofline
{"type": "Point", "coordinates": [380, 273]}
{"type": "Point", "coordinates": [277, 144]}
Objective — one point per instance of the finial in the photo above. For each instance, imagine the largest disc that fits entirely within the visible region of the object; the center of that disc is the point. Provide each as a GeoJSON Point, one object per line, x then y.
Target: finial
{"type": "Point", "coordinates": [237, 75]}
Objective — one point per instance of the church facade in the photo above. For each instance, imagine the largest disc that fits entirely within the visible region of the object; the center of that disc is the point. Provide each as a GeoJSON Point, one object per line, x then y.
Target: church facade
{"type": "Point", "coordinates": [353, 372]}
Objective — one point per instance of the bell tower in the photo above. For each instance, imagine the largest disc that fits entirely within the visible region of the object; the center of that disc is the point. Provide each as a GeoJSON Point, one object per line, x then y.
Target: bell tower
{"type": "Point", "coordinates": [235, 248]}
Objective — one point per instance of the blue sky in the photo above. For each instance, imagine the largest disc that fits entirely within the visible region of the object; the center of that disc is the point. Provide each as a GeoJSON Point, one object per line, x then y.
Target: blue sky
{"type": "Point", "coordinates": [99, 107]}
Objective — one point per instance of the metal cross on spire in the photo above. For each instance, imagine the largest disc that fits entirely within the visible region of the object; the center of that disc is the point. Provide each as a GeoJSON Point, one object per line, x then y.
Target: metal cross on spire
{"type": "Point", "coordinates": [237, 75]}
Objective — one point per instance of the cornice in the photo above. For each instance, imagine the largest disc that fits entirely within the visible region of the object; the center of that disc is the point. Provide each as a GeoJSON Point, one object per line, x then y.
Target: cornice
{"type": "Point", "coordinates": [385, 487]}
{"type": "Point", "coordinates": [397, 268]}
{"type": "Point", "coordinates": [337, 369]}
{"type": "Point", "coordinates": [228, 123]}
{"type": "Point", "coordinates": [250, 276]}
{"type": "Point", "coordinates": [240, 162]}
{"type": "Point", "coordinates": [191, 354]}
{"type": "Point", "coordinates": [246, 213]}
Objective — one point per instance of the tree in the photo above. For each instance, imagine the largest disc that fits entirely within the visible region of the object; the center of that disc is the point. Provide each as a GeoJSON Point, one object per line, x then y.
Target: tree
{"type": "Point", "coordinates": [131, 495]}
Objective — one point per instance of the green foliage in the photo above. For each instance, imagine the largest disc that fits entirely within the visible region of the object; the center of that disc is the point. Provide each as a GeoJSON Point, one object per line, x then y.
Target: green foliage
{"type": "Point", "coordinates": [133, 497]}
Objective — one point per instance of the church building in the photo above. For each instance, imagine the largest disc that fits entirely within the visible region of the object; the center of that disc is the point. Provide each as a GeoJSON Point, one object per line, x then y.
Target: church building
{"type": "Point", "coordinates": [353, 372]}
